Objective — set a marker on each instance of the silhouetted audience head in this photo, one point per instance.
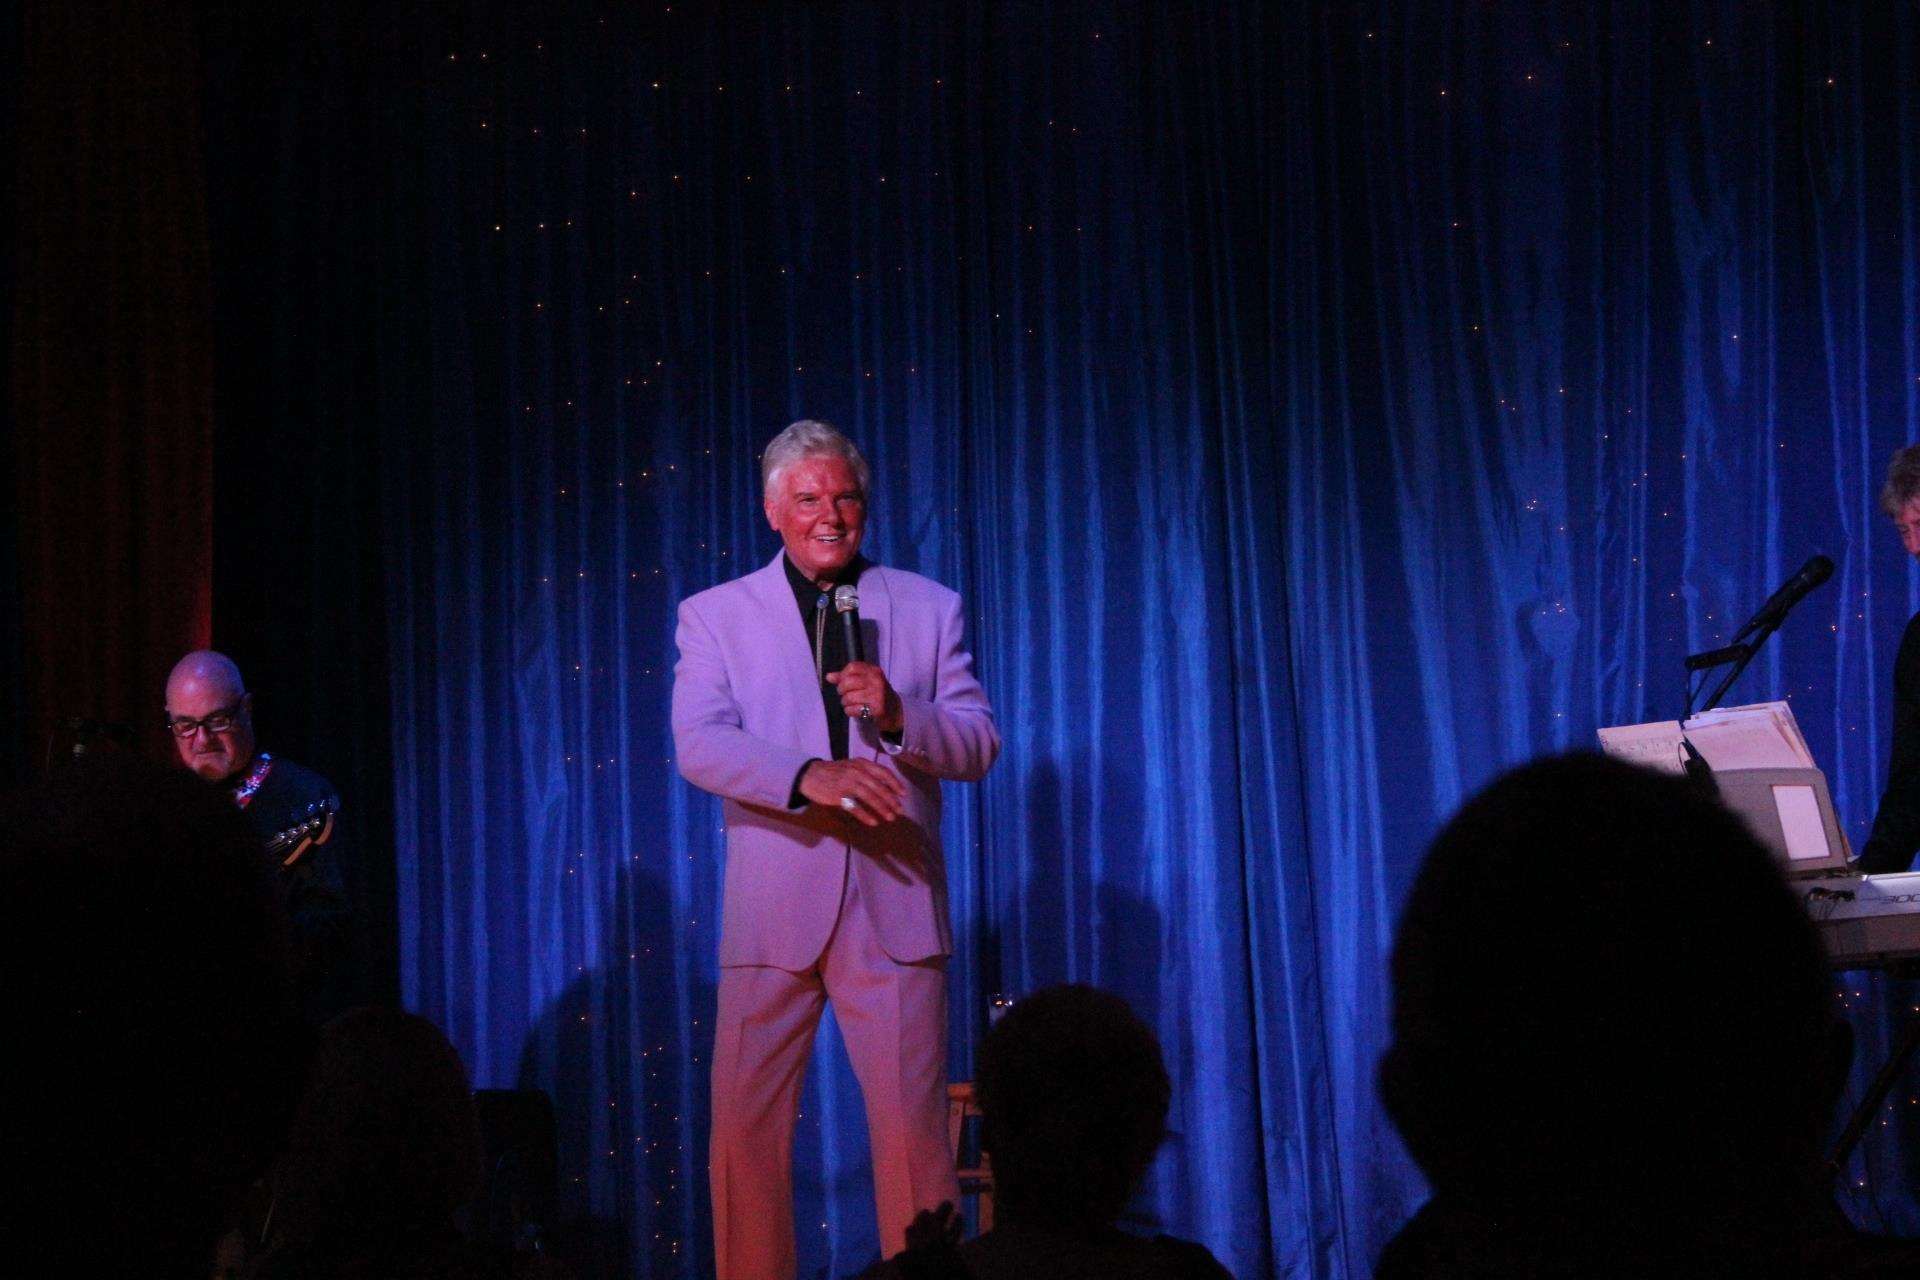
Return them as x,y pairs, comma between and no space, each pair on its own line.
385,1146
150,1053
1073,1097
1609,1006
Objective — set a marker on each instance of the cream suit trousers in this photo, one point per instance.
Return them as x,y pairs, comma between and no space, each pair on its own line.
893,1018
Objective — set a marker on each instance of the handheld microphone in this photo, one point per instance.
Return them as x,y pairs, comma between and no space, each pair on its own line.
846,599
1775,610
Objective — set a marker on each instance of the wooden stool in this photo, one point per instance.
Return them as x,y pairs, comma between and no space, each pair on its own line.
976,1176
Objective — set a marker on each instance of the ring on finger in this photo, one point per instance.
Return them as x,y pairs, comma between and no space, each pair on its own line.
866,712
850,804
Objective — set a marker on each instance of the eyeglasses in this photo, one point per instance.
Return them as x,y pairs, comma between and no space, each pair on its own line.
220,721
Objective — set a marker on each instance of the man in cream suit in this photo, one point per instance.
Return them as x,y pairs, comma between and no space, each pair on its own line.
830,774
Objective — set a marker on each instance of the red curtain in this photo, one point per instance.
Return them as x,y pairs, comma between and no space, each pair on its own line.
111,366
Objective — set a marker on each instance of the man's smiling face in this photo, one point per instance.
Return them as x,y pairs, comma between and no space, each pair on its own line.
819,514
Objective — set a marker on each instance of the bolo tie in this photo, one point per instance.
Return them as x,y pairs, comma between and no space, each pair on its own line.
820,639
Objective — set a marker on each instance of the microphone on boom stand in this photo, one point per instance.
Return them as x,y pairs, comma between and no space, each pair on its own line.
1814,572
1741,650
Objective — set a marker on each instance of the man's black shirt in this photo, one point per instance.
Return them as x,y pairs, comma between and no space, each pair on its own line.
1896,826
329,950
285,799
817,612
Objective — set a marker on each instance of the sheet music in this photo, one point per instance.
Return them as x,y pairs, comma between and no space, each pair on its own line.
1655,745
1761,736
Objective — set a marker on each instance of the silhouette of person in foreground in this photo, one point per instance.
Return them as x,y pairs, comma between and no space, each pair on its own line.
1614,1048
152,1053
385,1146
1073,1097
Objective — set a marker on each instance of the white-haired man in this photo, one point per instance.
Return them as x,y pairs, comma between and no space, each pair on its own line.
835,888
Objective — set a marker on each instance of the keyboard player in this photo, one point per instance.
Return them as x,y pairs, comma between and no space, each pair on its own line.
1896,825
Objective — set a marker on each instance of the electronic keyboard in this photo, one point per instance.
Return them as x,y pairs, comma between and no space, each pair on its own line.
1865,922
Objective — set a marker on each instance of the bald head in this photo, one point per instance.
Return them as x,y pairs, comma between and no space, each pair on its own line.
207,686
203,669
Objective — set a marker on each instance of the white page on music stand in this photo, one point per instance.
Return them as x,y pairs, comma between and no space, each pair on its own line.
1780,713
1655,745
1750,742
1791,727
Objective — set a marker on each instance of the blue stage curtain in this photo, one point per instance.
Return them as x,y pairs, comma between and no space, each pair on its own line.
1320,408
